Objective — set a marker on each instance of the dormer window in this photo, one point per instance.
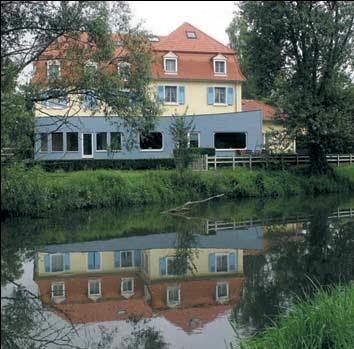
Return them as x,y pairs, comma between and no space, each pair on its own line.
219,65
124,70
170,63
90,67
191,34
53,69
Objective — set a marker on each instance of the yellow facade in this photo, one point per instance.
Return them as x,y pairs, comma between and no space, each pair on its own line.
275,138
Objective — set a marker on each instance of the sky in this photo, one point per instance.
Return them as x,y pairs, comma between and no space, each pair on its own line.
162,17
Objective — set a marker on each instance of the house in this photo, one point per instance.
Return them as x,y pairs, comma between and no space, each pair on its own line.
274,135
191,71
116,279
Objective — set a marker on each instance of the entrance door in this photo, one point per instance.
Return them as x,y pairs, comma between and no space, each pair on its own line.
87,145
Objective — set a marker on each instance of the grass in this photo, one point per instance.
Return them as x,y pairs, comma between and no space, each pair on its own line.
34,191
323,322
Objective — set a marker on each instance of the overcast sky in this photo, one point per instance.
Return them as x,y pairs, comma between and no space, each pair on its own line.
162,17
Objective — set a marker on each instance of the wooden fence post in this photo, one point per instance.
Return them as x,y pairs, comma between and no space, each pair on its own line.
337,160
233,161
215,162
250,161
351,158
206,162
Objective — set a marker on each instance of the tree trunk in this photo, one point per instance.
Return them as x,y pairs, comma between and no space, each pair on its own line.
318,160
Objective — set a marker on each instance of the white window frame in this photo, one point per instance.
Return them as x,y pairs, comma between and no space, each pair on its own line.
191,37
145,262
90,63
53,62
94,296
216,262
62,297
189,135
102,150
230,149
51,263
153,150
120,66
87,262
82,145
170,56
125,251
110,142
220,58
168,258
78,143
127,293
220,104
164,95
173,304
225,298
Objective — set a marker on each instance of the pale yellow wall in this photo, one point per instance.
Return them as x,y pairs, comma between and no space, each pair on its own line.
284,143
195,99
201,260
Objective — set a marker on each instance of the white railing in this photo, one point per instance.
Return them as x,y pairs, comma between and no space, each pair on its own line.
284,159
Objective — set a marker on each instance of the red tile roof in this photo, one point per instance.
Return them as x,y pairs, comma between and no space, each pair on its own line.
269,112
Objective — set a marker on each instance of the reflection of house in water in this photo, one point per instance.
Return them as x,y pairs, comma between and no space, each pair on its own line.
136,276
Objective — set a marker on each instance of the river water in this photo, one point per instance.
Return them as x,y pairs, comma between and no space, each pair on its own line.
143,278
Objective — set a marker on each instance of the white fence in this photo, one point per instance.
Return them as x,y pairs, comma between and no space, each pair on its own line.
281,159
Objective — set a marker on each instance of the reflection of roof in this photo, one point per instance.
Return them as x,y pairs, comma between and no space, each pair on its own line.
248,238
269,112
191,319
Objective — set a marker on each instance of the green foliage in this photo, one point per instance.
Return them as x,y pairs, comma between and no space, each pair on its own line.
33,191
326,321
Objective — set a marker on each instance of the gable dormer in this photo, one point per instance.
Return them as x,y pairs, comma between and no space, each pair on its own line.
170,63
220,65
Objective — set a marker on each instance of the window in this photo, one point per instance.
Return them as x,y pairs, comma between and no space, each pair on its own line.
90,68
116,141
170,94
151,141
220,67
101,141
126,259
194,140
72,141
124,70
191,34
173,296
222,290
127,286
94,260
58,290
57,103
57,263
44,142
230,140
145,263
154,38
171,65
222,263
220,95
57,141
94,288
90,101
53,70
171,268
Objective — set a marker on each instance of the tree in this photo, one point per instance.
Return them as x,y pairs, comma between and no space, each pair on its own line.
75,32
312,80
179,129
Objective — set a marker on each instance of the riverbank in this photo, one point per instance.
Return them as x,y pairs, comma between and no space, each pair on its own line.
326,321
34,192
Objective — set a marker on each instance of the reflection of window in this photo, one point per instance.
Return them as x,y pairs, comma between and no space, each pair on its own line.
57,141
193,140
222,263
58,289
230,140
126,258
222,290
53,69
57,262
101,141
170,94
173,296
171,269
44,142
72,141
116,141
220,95
94,288
127,285
151,141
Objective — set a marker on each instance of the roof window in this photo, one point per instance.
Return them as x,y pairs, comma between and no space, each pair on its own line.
191,34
